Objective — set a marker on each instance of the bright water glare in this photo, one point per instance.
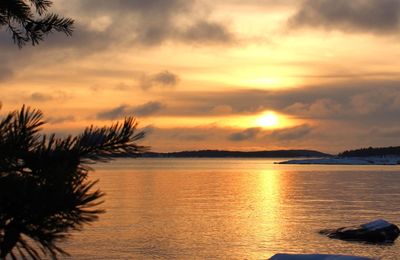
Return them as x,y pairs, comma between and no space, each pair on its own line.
234,209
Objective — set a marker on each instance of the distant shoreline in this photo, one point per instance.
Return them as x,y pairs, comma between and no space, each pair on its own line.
238,154
364,156
373,160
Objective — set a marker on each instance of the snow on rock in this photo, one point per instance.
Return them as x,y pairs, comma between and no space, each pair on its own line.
376,224
388,160
378,231
317,257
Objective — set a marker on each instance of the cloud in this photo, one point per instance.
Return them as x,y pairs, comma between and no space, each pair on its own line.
104,24
376,16
147,109
149,129
59,120
221,110
289,134
357,101
117,25
247,134
100,24
207,32
320,108
163,79
5,73
187,135
199,103
40,97
330,137
45,97
121,86
389,133
364,103
148,23
213,137
121,111
114,113
284,134
268,4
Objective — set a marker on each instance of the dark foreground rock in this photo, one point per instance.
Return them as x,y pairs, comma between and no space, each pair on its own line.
316,257
378,231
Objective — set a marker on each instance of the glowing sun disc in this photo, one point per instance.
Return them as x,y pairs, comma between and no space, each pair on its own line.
269,119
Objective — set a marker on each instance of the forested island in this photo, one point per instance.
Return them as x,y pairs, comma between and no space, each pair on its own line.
368,152
239,154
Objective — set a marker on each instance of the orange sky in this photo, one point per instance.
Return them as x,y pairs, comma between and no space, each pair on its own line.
243,75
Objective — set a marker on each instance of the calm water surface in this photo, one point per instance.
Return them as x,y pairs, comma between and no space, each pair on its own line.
234,209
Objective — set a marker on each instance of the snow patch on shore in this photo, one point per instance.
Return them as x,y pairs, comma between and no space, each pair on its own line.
317,257
384,160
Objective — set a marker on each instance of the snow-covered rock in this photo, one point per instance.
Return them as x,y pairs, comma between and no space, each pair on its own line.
317,257
377,231
376,224
388,160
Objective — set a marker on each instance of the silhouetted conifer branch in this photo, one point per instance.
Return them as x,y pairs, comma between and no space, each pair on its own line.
28,20
44,191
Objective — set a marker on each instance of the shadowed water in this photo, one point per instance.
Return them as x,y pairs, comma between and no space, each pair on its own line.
234,209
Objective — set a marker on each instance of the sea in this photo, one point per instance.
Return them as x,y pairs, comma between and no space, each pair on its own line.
170,208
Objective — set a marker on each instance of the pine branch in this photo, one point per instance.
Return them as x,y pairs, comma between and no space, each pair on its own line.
41,5
32,24
102,144
44,191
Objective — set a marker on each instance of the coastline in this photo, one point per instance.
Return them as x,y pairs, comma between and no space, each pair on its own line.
373,160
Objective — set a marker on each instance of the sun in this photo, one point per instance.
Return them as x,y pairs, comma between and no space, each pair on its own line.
268,119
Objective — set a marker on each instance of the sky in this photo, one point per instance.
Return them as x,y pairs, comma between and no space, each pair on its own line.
218,74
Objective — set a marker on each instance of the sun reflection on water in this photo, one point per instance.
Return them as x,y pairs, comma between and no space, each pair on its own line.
230,208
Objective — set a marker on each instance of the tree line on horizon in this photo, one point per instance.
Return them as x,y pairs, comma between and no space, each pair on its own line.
238,154
371,151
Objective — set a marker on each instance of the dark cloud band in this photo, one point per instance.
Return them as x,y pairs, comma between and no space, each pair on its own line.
376,16
122,111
